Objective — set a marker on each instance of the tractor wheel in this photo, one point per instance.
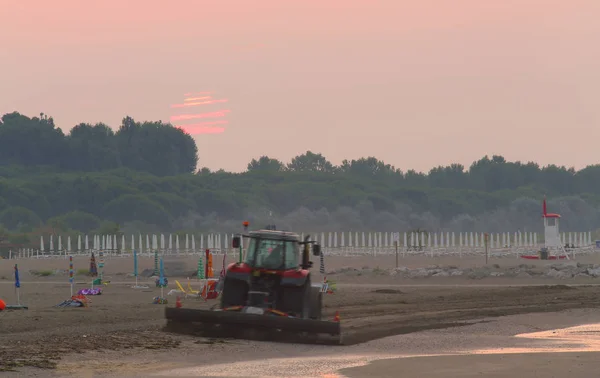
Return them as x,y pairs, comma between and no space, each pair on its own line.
316,302
306,300
296,300
235,293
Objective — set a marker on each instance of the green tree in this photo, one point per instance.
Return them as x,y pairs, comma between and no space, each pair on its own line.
17,218
156,147
95,147
31,141
266,164
310,162
369,167
76,220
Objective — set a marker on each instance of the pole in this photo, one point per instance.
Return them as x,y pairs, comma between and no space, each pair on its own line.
206,264
71,280
486,248
245,224
396,246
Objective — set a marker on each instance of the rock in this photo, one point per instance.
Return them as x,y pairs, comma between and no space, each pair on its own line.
525,266
456,273
419,273
561,274
536,272
594,272
523,274
147,272
496,274
478,274
400,271
566,265
443,273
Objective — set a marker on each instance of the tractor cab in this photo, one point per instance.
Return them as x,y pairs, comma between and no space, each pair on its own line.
277,250
273,250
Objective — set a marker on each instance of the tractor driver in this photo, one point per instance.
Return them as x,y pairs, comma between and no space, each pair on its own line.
275,258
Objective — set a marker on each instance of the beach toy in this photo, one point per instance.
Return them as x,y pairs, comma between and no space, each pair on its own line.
94,291
2,305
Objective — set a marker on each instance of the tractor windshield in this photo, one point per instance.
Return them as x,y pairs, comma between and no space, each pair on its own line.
272,254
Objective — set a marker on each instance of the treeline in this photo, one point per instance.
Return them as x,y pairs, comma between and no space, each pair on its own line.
143,178
152,147
160,149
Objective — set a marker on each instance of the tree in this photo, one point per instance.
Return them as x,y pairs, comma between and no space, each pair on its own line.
157,148
266,164
96,179
31,141
94,146
369,167
76,220
17,218
453,176
310,162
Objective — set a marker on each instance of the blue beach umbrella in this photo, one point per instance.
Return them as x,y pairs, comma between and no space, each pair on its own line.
161,280
17,281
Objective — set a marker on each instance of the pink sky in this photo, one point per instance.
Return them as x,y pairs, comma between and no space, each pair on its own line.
414,83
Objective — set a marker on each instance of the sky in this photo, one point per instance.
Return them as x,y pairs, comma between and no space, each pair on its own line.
416,84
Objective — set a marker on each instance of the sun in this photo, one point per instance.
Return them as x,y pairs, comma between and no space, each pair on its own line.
211,122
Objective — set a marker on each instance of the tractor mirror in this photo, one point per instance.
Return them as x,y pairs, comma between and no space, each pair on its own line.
316,249
235,242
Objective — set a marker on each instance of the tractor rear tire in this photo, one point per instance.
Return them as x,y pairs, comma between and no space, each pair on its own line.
316,303
235,293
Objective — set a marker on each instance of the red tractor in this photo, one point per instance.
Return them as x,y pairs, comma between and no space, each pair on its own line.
270,291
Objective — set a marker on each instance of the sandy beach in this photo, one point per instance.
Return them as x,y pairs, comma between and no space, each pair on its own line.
385,319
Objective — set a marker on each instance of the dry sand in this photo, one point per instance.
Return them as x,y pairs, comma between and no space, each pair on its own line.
120,334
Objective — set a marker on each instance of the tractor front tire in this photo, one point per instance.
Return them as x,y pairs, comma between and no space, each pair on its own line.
316,303
296,300
235,293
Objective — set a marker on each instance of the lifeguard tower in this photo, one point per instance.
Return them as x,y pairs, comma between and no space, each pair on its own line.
552,242
553,248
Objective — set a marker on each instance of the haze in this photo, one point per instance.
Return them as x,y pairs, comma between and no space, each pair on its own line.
414,83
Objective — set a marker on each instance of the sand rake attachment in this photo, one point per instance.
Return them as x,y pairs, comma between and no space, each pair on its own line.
239,323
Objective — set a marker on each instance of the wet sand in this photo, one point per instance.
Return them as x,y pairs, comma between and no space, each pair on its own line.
571,352
483,349
572,365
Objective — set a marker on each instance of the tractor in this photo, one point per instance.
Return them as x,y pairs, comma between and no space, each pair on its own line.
269,293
